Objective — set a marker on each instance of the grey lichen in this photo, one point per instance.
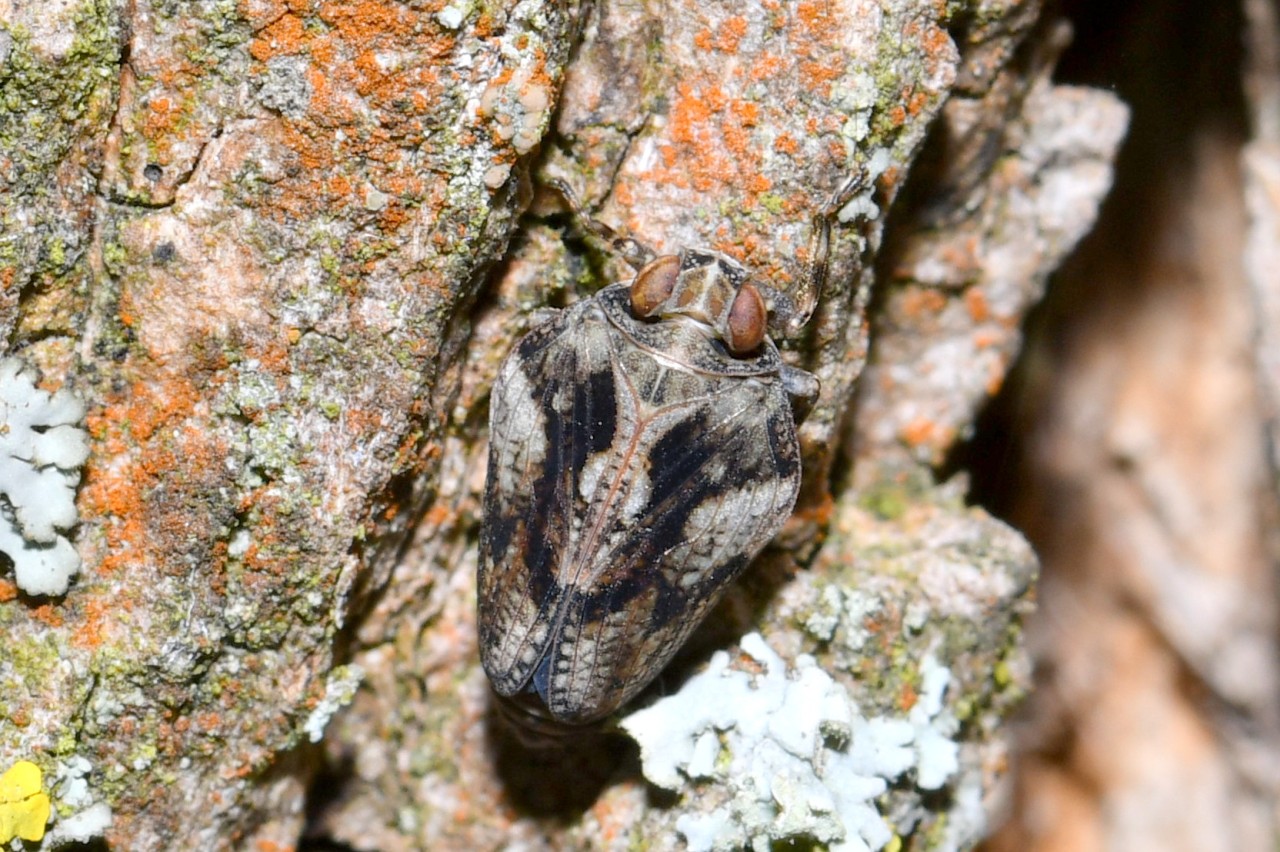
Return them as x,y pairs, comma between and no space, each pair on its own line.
285,88
792,756
81,817
916,615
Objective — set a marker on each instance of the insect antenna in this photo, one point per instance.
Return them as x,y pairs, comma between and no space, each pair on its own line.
635,253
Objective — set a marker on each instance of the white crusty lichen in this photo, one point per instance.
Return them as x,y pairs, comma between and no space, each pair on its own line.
82,818
41,450
339,690
793,755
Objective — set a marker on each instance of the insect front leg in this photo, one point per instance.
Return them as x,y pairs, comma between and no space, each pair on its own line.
635,253
802,389
794,315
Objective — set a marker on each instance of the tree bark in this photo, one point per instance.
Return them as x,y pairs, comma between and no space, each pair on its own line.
280,248
1144,469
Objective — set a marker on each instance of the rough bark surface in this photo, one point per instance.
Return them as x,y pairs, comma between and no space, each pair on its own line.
262,238
1147,484
280,215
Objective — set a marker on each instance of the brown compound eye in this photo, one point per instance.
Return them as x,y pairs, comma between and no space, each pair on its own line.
653,285
748,320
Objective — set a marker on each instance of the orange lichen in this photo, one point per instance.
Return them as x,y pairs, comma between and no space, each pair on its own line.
919,432
731,33
48,615
8,591
383,109
962,256
876,626
612,821
937,43
208,722
93,616
484,25
818,76
759,183
710,141
438,515
815,17
364,21
995,381
889,179
747,112
726,38
265,845
160,121
118,480
908,697
111,490
766,67
978,306
624,195
820,512
917,102
241,771
986,339
285,37
394,216
918,302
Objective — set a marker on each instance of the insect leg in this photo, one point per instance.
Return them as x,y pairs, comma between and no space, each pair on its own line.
820,250
635,253
802,390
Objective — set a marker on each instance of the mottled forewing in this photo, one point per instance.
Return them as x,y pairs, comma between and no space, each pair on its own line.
705,471
547,416
626,489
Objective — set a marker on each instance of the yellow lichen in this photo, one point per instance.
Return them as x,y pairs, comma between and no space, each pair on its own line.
24,806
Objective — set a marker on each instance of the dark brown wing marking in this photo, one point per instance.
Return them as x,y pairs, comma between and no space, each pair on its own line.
547,418
643,610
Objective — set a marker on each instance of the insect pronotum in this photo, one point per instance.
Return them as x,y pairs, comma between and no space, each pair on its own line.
643,450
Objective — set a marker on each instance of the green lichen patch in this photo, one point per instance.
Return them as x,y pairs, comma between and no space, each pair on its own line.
53,97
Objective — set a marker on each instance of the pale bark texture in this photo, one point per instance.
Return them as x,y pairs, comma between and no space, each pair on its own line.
1142,462
280,248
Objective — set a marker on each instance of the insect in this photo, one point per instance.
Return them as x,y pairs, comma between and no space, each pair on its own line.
643,450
